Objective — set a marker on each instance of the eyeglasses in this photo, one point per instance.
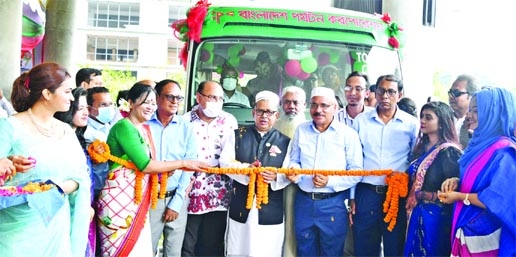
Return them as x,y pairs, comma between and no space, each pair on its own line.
260,112
213,98
456,93
350,88
323,106
390,92
171,98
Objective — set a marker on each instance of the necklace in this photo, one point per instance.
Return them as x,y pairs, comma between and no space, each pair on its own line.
48,132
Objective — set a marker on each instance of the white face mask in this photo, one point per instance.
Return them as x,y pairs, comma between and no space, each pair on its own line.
106,114
229,84
213,109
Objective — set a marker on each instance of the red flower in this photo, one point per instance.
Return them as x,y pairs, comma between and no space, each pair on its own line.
394,42
386,18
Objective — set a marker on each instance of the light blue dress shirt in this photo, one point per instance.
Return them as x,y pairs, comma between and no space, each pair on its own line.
386,146
337,148
174,142
96,130
343,116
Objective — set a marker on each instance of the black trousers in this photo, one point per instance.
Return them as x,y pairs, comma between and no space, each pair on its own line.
205,234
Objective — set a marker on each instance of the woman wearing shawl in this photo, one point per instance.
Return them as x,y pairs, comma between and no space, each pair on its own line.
49,223
124,224
484,218
436,159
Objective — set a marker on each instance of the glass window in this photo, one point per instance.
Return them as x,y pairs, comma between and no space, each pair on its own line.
115,49
113,14
275,64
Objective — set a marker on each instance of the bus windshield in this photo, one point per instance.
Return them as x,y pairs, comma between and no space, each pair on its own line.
250,50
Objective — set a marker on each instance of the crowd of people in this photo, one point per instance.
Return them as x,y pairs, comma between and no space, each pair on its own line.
156,194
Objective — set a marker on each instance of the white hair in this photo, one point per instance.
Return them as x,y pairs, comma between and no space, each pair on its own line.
294,90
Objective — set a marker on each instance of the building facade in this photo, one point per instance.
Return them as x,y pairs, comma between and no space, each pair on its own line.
130,35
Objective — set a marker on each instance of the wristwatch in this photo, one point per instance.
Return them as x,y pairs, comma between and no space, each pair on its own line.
466,201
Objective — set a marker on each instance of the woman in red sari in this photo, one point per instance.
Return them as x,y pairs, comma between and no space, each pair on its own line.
123,223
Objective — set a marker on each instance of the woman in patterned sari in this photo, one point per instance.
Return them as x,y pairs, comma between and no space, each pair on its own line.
124,223
436,159
484,219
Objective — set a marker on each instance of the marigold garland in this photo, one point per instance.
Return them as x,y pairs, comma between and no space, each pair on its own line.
99,153
397,183
163,184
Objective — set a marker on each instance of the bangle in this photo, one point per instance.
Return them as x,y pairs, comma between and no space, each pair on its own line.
466,201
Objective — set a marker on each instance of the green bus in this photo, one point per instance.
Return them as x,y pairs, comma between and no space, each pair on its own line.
271,48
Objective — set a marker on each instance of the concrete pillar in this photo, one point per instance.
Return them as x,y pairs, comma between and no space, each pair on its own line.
59,36
10,43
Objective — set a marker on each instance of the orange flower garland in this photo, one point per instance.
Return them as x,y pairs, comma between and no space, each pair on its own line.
397,183
163,184
99,153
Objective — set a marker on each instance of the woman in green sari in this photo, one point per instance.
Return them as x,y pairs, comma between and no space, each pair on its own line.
123,222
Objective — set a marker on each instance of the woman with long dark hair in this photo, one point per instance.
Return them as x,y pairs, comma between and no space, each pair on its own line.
77,118
54,225
436,157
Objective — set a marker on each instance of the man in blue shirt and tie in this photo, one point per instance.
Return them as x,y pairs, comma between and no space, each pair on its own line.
388,136
320,214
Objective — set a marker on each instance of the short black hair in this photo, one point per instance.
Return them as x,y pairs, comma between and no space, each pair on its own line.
359,74
159,86
95,90
408,105
392,78
84,75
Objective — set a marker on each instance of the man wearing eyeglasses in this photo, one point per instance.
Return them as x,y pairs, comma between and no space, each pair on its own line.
324,143
257,232
356,91
459,97
229,82
388,136
210,195
174,140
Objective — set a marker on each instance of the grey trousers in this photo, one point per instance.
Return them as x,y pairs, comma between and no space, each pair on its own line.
173,232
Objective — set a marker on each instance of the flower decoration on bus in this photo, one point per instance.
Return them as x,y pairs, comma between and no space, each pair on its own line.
191,27
393,31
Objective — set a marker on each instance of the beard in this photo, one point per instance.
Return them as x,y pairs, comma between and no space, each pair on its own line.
288,124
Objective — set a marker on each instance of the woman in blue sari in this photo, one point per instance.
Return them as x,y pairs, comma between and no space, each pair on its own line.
436,159
484,218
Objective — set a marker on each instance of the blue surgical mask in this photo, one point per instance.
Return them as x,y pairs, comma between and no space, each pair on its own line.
106,114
